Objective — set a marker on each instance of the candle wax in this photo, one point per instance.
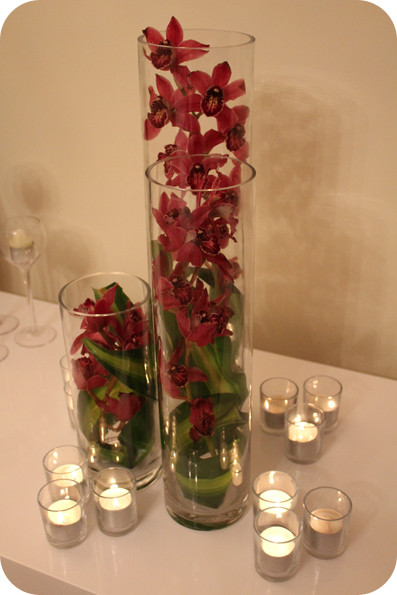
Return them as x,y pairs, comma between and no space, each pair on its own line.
277,541
326,520
68,471
274,496
302,431
20,240
115,499
64,512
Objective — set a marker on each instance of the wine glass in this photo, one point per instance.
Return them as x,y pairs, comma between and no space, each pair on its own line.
22,241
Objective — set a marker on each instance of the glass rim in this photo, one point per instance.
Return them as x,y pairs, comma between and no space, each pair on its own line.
76,313
302,407
126,477
276,511
337,393
339,518
55,482
284,474
281,397
247,39
174,188
74,446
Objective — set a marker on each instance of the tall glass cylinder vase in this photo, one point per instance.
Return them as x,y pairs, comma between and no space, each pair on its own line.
107,327
196,91
200,224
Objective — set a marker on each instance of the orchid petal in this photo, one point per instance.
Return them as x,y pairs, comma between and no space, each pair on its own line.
221,74
234,90
174,32
201,81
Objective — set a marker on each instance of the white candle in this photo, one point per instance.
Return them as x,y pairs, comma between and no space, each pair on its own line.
64,512
20,240
115,499
326,520
116,510
68,471
277,541
269,497
302,431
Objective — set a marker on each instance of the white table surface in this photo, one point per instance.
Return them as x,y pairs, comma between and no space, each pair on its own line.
160,556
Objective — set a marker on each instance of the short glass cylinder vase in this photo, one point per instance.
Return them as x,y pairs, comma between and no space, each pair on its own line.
201,262
107,327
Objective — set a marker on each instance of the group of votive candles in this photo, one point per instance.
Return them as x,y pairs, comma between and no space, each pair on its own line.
303,423
279,532
64,498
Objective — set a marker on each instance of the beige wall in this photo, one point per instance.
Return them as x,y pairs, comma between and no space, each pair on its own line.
324,148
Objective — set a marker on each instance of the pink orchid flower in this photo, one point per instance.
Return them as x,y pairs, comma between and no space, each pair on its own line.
170,105
216,90
202,418
169,52
207,319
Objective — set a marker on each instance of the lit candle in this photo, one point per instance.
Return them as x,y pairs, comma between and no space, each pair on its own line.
116,512
65,521
303,431
331,411
273,412
21,245
303,442
115,499
271,497
276,557
68,471
20,240
325,532
64,512
277,541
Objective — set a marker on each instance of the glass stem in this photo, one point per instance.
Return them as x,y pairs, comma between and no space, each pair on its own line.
29,294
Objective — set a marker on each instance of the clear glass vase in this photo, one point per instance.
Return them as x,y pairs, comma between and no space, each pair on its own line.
196,91
200,226
107,327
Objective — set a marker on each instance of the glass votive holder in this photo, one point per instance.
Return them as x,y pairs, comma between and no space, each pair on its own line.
68,462
326,515
324,392
274,489
65,370
114,490
277,543
276,396
304,429
62,511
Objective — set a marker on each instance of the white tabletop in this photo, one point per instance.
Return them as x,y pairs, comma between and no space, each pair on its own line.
160,556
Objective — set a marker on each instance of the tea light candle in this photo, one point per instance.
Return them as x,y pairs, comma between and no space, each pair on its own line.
303,434
272,497
68,471
325,532
277,550
115,510
326,519
276,396
65,520
273,412
21,248
277,540
20,240
331,411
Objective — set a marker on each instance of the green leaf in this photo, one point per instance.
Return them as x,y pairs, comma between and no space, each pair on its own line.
136,438
217,362
127,366
203,480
